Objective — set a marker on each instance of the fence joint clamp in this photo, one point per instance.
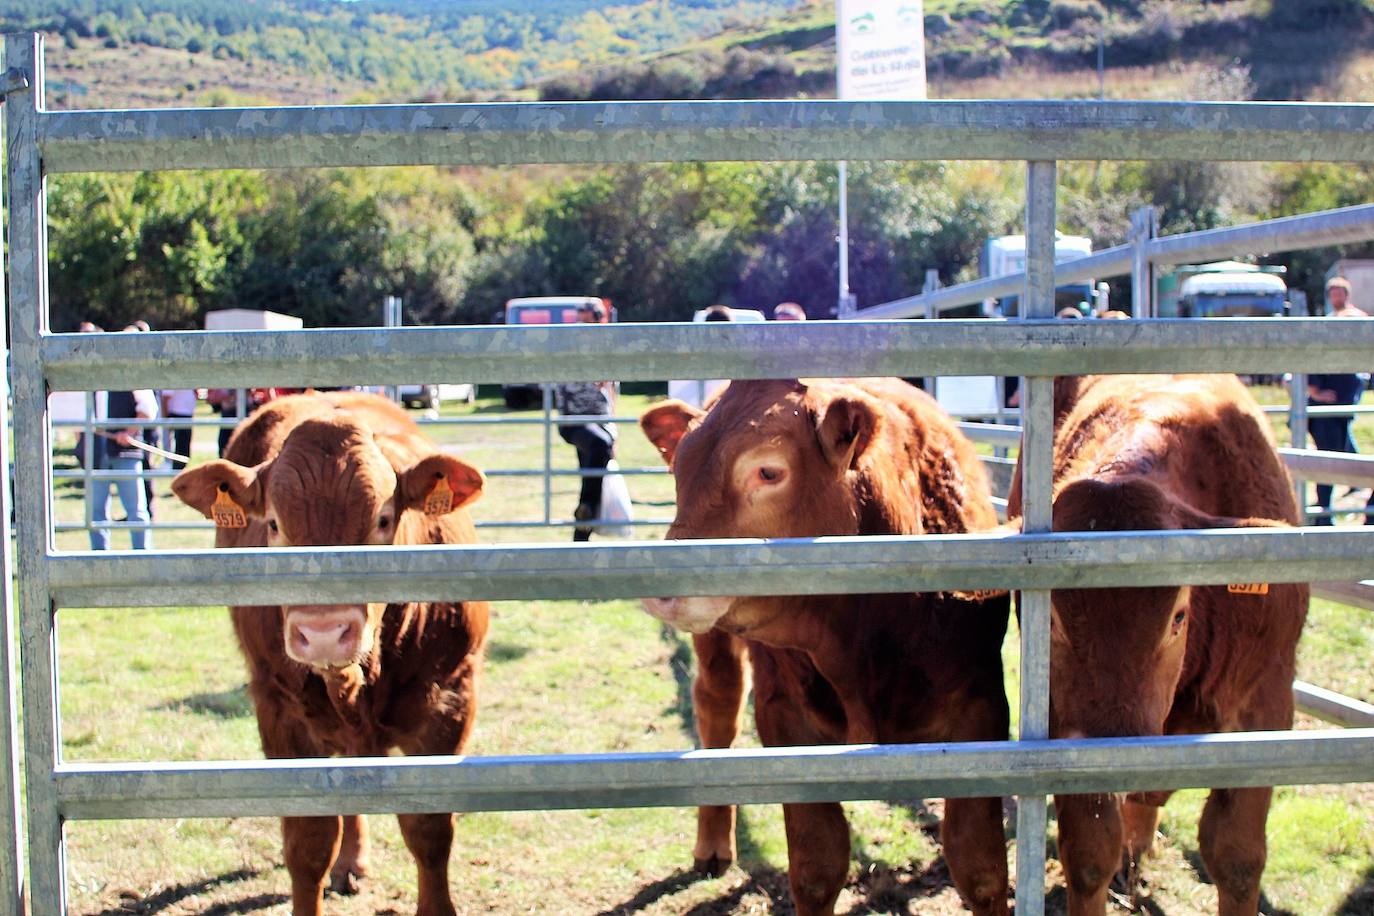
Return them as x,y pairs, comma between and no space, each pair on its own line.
13,80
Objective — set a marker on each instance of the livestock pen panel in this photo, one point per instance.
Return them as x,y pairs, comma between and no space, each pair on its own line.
42,143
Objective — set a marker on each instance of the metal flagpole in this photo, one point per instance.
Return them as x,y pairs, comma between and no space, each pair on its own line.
845,306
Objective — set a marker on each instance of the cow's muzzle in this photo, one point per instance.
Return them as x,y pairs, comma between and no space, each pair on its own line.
327,636
694,615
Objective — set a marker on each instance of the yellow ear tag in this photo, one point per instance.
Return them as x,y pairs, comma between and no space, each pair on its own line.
440,498
1249,588
227,513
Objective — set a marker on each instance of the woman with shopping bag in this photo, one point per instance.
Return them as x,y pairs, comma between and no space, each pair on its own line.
595,442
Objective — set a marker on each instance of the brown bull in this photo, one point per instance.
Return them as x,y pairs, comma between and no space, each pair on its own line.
1167,452
320,470
794,459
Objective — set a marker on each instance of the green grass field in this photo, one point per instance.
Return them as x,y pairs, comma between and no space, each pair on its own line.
168,684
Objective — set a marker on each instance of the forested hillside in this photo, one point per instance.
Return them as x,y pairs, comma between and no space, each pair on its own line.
1293,49
659,241
416,46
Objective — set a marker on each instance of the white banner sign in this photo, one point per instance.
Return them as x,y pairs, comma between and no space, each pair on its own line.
881,49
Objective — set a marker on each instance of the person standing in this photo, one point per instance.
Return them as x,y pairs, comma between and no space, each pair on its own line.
1332,433
152,435
179,404
115,452
595,442
225,402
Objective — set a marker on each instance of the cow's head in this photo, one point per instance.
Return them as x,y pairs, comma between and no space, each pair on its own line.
1116,655
768,460
331,484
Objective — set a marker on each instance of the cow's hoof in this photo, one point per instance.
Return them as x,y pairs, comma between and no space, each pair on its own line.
713,867
1128,887
346,883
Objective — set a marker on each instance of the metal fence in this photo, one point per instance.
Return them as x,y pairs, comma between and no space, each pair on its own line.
42,143
547,421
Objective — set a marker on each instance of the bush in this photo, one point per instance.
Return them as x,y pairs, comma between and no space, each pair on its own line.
1063,14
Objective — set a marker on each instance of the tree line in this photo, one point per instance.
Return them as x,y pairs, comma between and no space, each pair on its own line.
660,241
409,45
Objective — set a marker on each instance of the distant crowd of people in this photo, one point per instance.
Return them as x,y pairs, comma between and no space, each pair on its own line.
143,443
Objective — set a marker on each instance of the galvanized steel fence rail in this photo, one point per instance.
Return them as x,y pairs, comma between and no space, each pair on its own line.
1287,233
42,143
547,420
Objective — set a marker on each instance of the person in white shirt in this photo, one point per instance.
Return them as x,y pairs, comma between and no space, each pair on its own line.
178,404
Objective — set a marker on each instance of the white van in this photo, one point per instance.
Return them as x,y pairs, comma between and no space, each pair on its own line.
697,391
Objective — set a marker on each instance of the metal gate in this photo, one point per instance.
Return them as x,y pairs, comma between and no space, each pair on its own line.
41,143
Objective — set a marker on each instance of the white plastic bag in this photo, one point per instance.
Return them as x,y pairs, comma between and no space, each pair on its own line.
615,504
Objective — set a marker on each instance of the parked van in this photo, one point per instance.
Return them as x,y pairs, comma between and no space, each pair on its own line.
1006,254
697,391
1230,289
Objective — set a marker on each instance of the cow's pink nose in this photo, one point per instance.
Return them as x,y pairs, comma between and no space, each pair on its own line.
324,639
662,608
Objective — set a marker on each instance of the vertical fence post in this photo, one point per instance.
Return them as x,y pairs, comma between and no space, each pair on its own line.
33,476
1144,227
11,816
391,318
1297,427
546,394
88,461
1037,419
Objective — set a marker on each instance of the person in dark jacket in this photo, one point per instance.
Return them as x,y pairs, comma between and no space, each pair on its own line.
1333,433
595,442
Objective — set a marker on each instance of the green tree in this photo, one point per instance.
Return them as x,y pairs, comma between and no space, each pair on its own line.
160,246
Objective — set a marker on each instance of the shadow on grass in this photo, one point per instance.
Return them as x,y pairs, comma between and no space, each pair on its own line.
654,892
224,704
1360,900
506,652
1266,906
680,662
764,881
253,904
174,896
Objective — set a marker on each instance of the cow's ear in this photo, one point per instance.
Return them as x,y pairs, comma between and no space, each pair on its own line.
439,484
845,427
666,424
217,481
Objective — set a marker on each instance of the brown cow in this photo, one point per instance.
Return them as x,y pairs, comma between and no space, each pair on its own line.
1167,452
317,470
794,459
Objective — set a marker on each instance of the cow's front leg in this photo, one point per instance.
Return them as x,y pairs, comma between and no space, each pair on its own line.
976,853
309,845
1090,844
1231,840
718,706
817,856
429,837
817,834
351,866
971,832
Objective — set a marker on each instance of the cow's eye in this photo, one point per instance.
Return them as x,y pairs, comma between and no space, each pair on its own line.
1179,620
272,523
770,475
383,523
